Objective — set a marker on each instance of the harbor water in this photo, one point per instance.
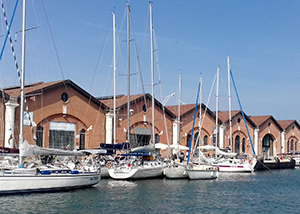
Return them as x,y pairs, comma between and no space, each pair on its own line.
276,191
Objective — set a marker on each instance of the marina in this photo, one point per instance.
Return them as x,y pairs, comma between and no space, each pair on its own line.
258,192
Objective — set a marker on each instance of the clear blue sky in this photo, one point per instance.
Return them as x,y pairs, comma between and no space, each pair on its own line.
192,37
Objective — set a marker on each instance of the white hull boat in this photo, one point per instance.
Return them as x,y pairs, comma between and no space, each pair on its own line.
235,165
175,171
148,169
27,181
202,172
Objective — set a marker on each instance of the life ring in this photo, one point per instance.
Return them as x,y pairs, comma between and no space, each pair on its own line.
109,164
250,161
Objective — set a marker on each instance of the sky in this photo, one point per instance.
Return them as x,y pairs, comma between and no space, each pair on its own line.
73,39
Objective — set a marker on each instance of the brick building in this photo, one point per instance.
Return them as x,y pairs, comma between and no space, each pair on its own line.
63,114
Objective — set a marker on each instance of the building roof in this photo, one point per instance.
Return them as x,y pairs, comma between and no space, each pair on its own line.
186,109
286,123
260,120
121,101
40,87
224,116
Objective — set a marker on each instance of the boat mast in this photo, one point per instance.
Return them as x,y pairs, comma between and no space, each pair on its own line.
152,72
217,108
21,137
178,124
229,99
115,68
201,122
128,72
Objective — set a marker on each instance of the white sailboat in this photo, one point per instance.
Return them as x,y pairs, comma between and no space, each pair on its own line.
176,169
200,170
225,161
134,168
37,177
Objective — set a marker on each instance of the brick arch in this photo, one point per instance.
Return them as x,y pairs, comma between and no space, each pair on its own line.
292,144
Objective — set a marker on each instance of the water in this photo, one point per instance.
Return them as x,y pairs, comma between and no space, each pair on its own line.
276,191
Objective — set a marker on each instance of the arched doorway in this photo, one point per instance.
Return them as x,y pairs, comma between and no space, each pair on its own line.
82,139
267,146
237,145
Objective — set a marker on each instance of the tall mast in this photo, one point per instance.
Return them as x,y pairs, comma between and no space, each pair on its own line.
178,124
128,72
21,138
152,72
200,108
115,68
217,108
229,100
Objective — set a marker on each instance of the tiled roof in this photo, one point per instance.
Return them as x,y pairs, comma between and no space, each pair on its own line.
41,86
224,115
30,88
120,100
286,123
258,120
183,108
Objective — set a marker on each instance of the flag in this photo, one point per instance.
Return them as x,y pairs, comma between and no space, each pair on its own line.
67,147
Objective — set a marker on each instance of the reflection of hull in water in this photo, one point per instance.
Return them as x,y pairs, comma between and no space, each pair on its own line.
202,172
176,171
275,164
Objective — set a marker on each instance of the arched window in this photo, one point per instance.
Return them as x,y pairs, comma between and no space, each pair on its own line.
292,145
188,140
243,145
237,144
288,146
82,139
295,146
205,140
157,138
39,136
196,140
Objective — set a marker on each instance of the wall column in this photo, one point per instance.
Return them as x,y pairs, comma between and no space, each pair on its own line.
222,136
10,112
109,127
283,134
256,131
176,139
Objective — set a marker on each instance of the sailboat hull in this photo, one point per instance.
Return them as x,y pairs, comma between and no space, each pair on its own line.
202,172
27,183
175,172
